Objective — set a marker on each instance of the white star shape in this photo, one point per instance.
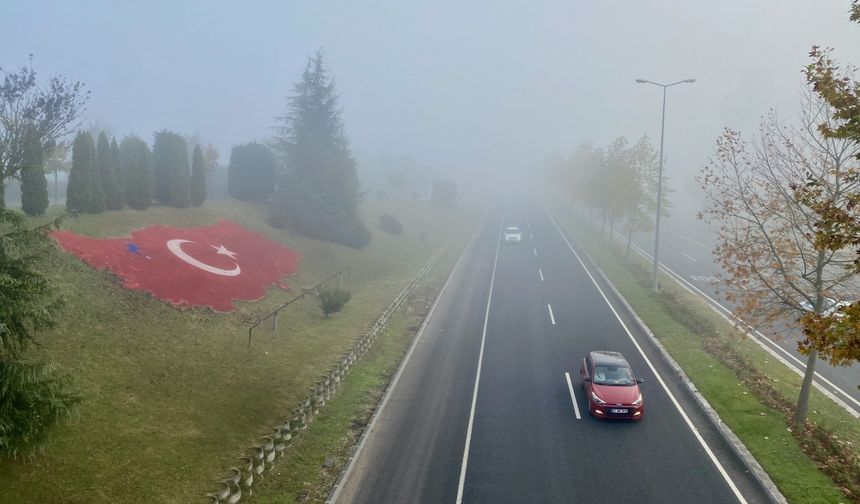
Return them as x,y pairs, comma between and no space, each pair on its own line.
222,250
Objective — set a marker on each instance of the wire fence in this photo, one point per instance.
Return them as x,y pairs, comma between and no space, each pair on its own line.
342,276
264,455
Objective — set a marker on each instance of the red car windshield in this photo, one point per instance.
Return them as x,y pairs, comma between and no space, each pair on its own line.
613,375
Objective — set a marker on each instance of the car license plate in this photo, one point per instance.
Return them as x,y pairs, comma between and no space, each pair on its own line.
618,410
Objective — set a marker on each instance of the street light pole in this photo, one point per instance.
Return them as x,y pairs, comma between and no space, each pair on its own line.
660,177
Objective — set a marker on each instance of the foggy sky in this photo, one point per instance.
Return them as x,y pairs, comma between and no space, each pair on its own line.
459,86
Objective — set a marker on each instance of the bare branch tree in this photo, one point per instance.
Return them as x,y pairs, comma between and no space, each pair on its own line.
28,111
772,267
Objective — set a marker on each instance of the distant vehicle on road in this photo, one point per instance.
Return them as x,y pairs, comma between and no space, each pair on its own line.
610,386
513,235
830,307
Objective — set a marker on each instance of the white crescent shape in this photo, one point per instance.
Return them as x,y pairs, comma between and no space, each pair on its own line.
175,246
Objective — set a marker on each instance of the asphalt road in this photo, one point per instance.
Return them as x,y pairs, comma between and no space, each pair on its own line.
691,259
519,317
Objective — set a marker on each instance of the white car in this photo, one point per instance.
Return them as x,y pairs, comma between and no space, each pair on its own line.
513,235
831,306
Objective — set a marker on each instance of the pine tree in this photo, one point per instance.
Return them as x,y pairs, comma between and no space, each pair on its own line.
198,177
170,169
106,174
118,175
136,165
319,194
33,396
34,184
83,160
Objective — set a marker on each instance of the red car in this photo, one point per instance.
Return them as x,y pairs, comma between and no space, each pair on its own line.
610,386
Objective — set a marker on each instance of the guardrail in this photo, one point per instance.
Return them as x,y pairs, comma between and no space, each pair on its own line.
343,274
262,456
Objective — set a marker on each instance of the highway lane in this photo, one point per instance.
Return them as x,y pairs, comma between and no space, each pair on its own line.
412,452
692,260
526,443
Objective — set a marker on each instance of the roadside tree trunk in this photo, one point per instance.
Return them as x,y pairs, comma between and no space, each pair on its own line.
802,409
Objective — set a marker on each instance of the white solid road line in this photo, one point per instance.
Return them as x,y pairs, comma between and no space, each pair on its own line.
694,242
763,341
689,257
478,375
540,272
551,316
532,237
572,396
675,402
369,428
535,251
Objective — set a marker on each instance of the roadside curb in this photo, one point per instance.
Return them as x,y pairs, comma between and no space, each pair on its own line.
733,441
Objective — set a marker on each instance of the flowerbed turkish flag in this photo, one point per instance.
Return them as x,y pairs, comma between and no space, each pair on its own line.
204,266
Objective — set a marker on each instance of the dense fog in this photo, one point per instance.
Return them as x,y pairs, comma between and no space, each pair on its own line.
469,89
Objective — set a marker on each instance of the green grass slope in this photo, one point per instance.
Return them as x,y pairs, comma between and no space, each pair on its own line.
173,397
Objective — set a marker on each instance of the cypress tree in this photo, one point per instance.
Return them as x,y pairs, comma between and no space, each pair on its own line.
136,165
83,159
106,174
198,177
160,168
94,195
118,175
34,184
251,174
170,169
180,184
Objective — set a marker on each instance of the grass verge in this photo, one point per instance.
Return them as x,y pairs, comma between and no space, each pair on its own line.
738,378
171,397
336,430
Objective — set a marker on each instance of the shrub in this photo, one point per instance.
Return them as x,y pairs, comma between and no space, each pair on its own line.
310,215
390,224
332,300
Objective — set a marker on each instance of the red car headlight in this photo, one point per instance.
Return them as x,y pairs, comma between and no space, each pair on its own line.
597,399
638,401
